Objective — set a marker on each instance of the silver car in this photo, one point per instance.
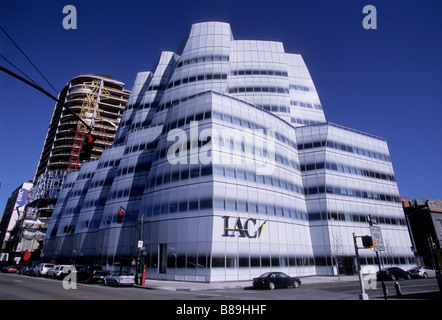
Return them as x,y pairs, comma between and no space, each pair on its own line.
119,278
42,269
422,272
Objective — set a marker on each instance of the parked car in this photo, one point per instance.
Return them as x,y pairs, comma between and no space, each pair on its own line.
30,271
393,273
9,269
90,274
119,278
65,270
422,272
42,269
274,280
22,270
53,271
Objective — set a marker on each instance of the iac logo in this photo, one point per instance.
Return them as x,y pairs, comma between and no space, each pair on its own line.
242,229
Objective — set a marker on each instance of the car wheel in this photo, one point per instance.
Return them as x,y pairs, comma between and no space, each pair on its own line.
393,277
425,275
408,276
295,284
271,286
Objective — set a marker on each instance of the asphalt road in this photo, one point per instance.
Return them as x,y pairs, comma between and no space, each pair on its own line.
20,287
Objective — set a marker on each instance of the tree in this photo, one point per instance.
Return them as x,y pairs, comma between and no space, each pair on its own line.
337,250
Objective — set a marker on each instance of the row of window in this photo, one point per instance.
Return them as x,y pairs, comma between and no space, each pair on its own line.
275,108
344,147
261,261
192,261
141,146
203,59
306,122
298,87
109,163
258,207
175,206
178,260
259,89
260,72
356,217
349,192
246,149
183,173
200,77
367,260
245,123
244,175
306,104
187,119
347,169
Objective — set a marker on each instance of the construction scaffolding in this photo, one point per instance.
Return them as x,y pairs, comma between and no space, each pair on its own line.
89,113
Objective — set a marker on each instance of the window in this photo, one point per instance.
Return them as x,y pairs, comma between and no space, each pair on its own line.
231,204
183,206
218,203
193,205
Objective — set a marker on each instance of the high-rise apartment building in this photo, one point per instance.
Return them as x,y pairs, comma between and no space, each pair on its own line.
100,101
224,158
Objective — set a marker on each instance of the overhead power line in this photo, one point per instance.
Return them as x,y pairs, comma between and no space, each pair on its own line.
16,68
16,45
46,93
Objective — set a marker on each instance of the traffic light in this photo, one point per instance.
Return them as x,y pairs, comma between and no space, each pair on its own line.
367,242
120,216
86,148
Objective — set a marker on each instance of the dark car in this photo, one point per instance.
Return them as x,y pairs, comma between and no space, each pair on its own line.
274,280
92,274
393,273
9,269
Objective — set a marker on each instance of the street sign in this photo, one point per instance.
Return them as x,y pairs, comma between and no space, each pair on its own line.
140,244
378,242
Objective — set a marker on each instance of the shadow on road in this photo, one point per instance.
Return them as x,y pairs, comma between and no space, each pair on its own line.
432,295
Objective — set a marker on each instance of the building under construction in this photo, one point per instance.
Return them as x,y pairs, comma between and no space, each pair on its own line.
99,101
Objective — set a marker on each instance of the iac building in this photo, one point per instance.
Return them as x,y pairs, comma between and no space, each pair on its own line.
225,160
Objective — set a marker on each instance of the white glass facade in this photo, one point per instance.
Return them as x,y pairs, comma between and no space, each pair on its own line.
224,153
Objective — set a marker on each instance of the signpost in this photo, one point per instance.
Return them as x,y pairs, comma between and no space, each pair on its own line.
376,234
378,245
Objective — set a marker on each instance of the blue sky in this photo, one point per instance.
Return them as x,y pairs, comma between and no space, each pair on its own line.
387,82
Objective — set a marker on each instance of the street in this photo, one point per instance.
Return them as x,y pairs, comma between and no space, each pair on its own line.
19,287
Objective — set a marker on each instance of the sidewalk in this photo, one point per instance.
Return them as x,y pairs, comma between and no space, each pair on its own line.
201,286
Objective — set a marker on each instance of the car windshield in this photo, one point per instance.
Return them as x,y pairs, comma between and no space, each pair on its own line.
415,269
265,275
